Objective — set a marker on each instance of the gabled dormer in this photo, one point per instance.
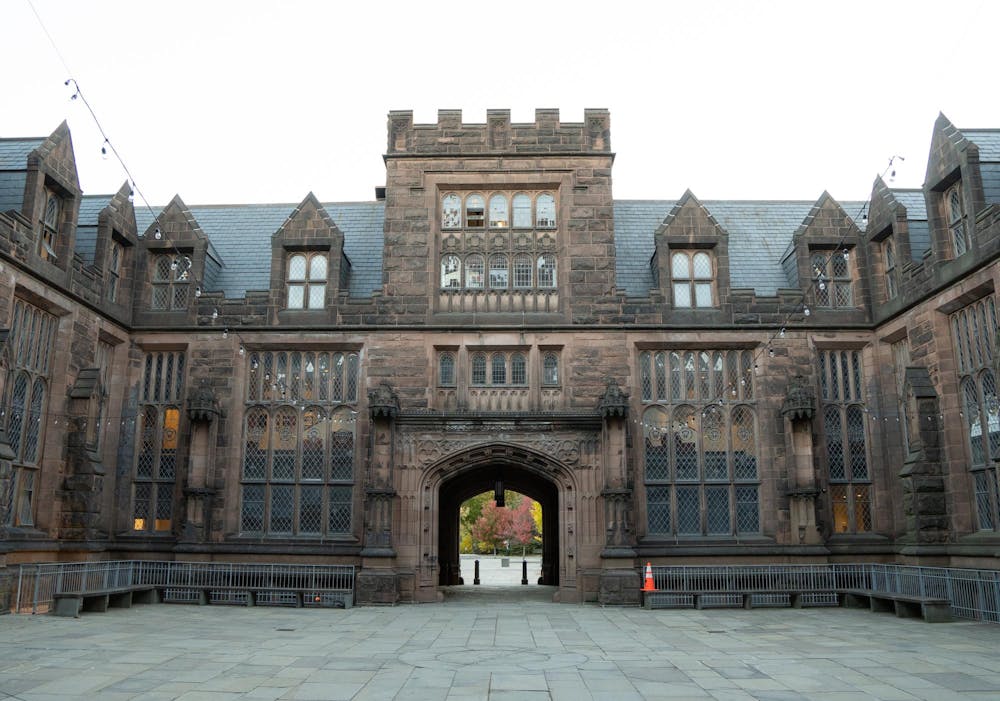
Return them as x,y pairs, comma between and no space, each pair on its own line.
825,260
178,263
114,247
308,265
890,245
953,187
690,262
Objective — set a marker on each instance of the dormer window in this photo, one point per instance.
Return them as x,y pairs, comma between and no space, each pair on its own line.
307,281
889,257
692,278
114,270
956,220
170,282
832,279
50,225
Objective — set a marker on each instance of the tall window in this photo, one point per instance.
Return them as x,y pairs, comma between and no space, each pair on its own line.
32,333
889,257
498,369
51,220
114,271
550,369
844,428
299,444
900,361
446,370
955,211
104,359
973,330
170,281
546,270
692,279
832,279
156,460
451,272
307,281
700,445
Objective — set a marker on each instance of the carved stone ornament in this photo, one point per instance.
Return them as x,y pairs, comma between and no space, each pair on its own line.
202,405
614,401
383,401
800,399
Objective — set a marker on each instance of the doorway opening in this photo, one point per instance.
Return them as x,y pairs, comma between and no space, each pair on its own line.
479,490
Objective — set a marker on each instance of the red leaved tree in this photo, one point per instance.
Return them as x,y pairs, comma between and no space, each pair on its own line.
492,528
522,524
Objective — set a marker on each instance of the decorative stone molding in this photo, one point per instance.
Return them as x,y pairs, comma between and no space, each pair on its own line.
420,451
203,406
800,400
614,401
383,401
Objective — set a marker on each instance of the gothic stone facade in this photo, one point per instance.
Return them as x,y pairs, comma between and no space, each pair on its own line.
677,381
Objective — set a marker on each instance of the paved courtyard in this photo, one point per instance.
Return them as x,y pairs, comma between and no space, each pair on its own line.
493,643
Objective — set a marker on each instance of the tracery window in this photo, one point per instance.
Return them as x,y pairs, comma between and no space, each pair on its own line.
299,444
550,369
307,274
955,211
446,370
32,334
889,257
51,219
832,279
692,279
974,329
700,445
171,280
844,428
158,441
499,369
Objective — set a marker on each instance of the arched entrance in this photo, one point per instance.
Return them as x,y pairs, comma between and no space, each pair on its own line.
485,477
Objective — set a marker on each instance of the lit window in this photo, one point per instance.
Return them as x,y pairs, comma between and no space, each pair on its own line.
832,279
451,212
692,279
474,212
50,225
498,212
451,272
545,212
522,211
307,281
956,220
170,281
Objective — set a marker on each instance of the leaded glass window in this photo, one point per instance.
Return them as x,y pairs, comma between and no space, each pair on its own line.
451,212
547,270
170,281
550,369
475,272
955,211
700,445
479,369
157,459
446,370
692,279
832,279
307,274
498,272
845,434
299,444
51,220
114,271
522,211
889,259
32,333
974,330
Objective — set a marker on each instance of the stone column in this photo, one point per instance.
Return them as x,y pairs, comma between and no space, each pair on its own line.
83,484
620,582
376,583
798,410
924,503
199,491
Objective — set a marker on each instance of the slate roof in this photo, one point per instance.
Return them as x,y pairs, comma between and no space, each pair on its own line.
86,225
241,236
12,189
759,233
988,141
913,200
14,152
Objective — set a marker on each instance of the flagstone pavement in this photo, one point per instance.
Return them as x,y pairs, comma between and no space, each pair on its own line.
506,642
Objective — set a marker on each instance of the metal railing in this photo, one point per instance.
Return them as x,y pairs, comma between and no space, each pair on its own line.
38,583
972,594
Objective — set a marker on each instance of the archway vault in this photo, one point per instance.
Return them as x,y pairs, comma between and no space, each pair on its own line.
464,474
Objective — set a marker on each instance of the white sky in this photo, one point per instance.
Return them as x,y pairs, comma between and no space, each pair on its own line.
228,102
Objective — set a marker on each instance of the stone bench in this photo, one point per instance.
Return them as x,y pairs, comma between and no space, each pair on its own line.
343,597
795,596
931,609
72,603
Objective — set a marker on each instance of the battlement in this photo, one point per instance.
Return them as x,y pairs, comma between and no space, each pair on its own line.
499,135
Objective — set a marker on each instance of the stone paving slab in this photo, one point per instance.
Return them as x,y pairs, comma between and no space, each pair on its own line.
497,644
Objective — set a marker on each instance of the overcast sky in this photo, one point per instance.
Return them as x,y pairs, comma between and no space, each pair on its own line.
228,102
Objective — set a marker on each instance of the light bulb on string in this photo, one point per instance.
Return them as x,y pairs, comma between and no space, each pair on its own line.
805,310
822,285
131,194
215,313
157,235
770,351
197,291
173,264
225,333
104,150
243,351
847,255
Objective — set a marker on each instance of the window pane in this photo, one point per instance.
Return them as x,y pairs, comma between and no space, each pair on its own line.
313,429
340,510
498,212
282,504
547,271
522,270
856,443
714,444
747,510
317,267
645,376
451,272
162,270
252,512
702,266
717,510
862,508
518,372
255,447
834,443
682,294
297,268
451,215
317,296
296,296
658,509
657,446
838,503
310,509
341,451
688,511
475,275
685,444
479,369
141,502
522,211
680,267
498,272
551,371
474,212
545,211
703,294
743,444
498,370
447,375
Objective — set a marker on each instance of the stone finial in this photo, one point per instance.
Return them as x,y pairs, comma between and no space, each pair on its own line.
800,399
383,401
614,401
203,405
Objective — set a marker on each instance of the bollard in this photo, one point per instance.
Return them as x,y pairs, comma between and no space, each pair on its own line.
475,579
524,571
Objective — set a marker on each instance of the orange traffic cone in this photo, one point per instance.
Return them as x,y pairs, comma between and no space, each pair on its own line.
648,584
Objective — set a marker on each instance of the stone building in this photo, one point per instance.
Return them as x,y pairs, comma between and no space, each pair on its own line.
676,381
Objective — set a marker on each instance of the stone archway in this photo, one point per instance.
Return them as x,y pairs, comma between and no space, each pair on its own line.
463,485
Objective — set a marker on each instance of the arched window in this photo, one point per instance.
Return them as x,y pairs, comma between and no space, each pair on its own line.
451,212
451,272
499,218
307,281
832,279
479,369
446,373
522,211
499,272
522,270
475,272
518,370
956,220
169,282
545,212
475,212
646,376
498,369
550,369
546,270
692,279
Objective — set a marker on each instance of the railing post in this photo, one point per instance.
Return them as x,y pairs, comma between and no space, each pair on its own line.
20,575
475,579
34,598
524,572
